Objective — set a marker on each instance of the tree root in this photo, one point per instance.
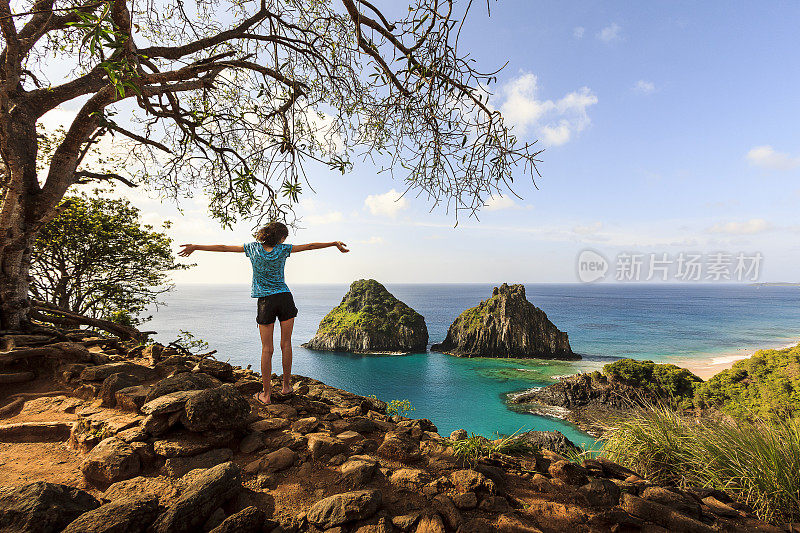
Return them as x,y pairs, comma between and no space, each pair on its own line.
46,312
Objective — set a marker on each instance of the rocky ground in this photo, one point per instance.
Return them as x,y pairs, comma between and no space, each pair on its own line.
98,436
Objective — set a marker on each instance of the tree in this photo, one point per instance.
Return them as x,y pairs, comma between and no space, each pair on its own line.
232,97
97,259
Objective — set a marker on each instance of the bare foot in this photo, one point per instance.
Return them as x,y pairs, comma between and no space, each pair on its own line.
287,390
261,397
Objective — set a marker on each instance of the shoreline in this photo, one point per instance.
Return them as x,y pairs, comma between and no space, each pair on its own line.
711,365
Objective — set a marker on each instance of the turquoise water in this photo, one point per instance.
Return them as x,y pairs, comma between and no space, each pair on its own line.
669,323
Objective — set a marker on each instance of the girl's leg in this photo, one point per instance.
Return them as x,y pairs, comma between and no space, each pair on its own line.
286,351
266,332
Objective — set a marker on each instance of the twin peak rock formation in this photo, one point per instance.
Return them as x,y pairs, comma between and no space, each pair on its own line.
371,320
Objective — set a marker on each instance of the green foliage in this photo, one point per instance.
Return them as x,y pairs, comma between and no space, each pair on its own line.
659,380
369,306
399,407
476,447
122,317
766,385
97,258
756,461
187,341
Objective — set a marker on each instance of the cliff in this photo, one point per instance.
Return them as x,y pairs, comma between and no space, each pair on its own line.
370,320
506,325
101,435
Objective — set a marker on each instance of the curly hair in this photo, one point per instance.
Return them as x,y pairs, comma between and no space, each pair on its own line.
272,234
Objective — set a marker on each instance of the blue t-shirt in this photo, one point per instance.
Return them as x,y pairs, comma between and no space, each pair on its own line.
267,268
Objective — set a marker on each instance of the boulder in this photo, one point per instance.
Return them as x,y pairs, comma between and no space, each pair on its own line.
182,382
471,481
359,470
269,424
132,398
320,444
111,460
159,424
568,472
370,320
600,492
223,407
42,507
409,478
129,515
168,403
465,500
342,508
252,442
506,325
431,524
280,459
176,467
248,520
548,440
200,499
459,434
112,384
101,372
187,443
219,369
305,425
661,514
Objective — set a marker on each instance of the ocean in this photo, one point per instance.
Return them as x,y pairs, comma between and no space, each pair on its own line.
703,326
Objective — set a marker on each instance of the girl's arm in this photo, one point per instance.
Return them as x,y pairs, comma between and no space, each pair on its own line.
189,248
318,245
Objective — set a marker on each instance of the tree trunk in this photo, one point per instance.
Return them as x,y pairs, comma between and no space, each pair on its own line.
15,261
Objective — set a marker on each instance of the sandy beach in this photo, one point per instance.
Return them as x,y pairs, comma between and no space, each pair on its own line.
707,367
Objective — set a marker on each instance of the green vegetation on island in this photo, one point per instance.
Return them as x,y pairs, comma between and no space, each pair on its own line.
658,380
370,319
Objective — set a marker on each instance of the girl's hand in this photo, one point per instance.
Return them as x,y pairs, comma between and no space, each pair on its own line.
342,247
187,250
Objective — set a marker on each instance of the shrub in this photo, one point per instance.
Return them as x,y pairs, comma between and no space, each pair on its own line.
399,407
659,380
757,462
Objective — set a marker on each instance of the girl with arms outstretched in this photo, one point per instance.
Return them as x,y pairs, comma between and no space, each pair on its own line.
268,257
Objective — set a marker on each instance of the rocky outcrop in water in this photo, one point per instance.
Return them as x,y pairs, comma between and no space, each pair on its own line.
370,320
506,325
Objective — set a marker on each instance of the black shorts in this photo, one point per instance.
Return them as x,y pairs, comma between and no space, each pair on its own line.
280,306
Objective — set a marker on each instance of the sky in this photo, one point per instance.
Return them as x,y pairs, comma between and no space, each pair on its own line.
668,128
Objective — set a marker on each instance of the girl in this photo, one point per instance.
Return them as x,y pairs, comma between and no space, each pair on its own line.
267,257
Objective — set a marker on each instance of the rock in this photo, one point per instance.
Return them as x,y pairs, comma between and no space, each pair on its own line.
248,520
320,444
661,515
219,369
448,511
375,525
719,508
101,372
409,478
187,444
215,519
168,403
200,499
175,467
399,447
471,481
112,384
430,524
132,398
269,424
182,382
111,460
568,472
350,437
359,470
281,410
406,521
494,504
465,500
157,425
459,434
305,425
370,320
153,352
136,486
548,440
252,442
221,408
505,325
342,508
600,492
132,515
684,504
280,459
357,423
136,434
42,507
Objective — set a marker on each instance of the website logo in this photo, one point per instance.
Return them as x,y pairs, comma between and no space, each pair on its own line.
591,266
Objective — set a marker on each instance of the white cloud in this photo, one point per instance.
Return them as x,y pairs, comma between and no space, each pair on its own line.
497,203
749,227
555,121
767,157
610,33
388,204
644,87
324,218
588,229
578,32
